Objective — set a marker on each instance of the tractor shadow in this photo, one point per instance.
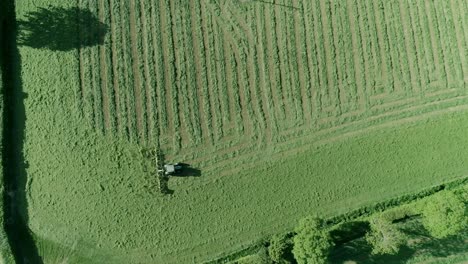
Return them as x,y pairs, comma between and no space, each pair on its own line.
187,171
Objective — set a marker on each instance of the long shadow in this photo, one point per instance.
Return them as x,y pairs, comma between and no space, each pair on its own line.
359,251
349,231
187,171
61,29
14,201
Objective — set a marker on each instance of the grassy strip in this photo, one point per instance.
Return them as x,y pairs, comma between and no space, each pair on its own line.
359,213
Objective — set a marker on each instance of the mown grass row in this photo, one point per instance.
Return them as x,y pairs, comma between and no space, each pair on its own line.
198,75
200,63
211,72
383,42
140,68
148,31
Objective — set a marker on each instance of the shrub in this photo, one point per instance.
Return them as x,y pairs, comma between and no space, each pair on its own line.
445,214
278,248
261,257
384,236
312,242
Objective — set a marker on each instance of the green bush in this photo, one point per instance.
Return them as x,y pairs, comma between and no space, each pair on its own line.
445,214
312,242
384,236
261,257
278,248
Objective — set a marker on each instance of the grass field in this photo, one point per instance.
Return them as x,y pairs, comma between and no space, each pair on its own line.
288,108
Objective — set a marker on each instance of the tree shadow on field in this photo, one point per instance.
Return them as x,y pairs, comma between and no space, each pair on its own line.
61,29
349,231
15,205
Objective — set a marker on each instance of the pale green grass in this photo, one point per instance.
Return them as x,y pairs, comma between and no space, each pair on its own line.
87,191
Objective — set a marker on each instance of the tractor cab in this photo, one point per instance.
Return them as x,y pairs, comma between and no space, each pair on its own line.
170,169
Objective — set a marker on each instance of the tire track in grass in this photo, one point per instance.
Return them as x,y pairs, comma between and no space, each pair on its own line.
402,55
211,74
386,11
410,48
104,73
434,33
200,59
263,75
315,58
358,54
142,61
293,54
284,83
461,33
463,5
185,95
158,89
96,79
245,101
123,75
454,55
382,39
255,89
305,142
137,84
170,73
274,71
301,62
240,52
352,89
348,88
418,45
233,87
86,81
80,93
427,44
441,31
373,64
192,88
81,72
222,85
338,49
115,68
147,64
328,94
464,28
128,78
322,90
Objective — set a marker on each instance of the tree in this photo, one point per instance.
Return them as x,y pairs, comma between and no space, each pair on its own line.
312,242
445,214
384,236
278,248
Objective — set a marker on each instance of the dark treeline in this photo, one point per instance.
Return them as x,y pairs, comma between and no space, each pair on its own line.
14,207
